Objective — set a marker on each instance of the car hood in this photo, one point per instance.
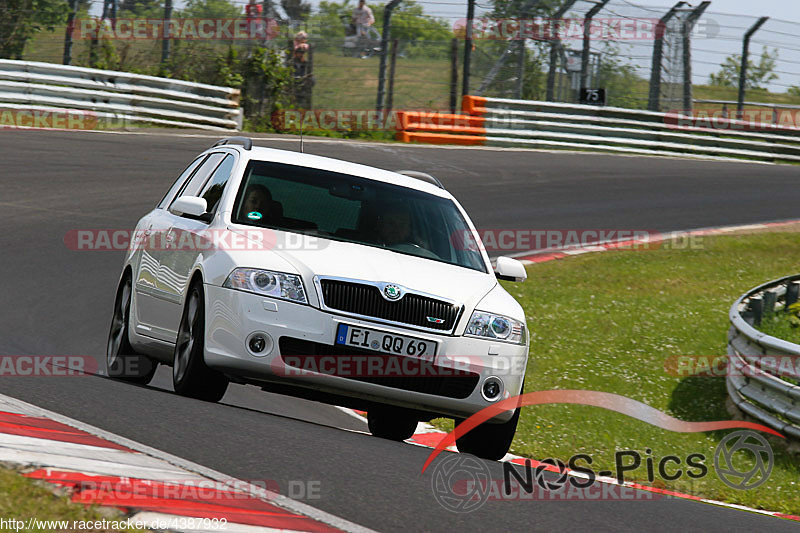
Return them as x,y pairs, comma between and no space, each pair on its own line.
360,262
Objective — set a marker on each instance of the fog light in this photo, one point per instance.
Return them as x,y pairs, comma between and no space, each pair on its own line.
492,388
259,344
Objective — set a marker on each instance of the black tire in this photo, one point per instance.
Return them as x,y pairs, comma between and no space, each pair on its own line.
122,362
392,423
190,375
489,441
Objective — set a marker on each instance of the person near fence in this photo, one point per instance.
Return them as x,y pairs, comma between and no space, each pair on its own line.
255,21
303,78
363,20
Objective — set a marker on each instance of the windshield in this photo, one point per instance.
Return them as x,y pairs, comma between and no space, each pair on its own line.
347,208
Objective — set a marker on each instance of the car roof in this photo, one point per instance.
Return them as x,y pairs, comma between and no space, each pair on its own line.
289,157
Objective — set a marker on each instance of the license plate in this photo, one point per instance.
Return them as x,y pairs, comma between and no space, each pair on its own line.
380,341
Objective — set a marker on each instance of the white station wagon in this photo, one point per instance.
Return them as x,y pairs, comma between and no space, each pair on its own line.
326,280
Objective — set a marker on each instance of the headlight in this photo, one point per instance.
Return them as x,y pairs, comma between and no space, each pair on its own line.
269,283
495,327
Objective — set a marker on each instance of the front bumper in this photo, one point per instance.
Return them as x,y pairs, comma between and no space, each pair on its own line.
292,329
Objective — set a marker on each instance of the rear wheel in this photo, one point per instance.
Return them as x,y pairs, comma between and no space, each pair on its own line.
489,441
122,362
190,375
392,423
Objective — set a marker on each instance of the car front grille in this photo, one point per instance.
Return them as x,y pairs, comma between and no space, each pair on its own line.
366,300
415,376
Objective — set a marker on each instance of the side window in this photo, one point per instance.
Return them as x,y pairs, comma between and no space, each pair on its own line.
212,191
201,175
179,182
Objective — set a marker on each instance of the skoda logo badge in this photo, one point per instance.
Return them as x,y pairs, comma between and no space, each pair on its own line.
392,292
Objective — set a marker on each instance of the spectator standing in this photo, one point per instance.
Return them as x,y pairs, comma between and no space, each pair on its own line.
303,78
363,18
255,21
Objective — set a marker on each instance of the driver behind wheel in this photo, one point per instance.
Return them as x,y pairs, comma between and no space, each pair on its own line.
394,225
395,230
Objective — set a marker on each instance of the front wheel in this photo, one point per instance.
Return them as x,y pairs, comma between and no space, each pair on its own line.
489,441
392,423
122,362
190,375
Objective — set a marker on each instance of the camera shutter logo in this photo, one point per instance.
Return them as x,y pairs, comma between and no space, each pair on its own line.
461,483
551,483
728,470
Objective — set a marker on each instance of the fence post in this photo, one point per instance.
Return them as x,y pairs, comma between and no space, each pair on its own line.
165,43
555,47
392,65
468,47
73,9
755,307
520,70
653,101
792,293
453,75
743,69
688,26
387,25
587,29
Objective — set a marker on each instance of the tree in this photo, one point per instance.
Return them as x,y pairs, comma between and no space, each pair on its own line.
515,8
758,74
21,19
327,22
416,31
141,7
410,23
211,9
296,9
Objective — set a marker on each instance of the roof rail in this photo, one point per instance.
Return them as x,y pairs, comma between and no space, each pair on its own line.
421,176
246,142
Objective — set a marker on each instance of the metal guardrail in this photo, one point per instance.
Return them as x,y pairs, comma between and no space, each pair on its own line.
754,384
505,122
748,104
118,97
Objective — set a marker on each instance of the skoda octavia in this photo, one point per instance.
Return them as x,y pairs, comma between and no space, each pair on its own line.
326,280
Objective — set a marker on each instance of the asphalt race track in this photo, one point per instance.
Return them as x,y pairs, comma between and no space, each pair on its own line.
58,301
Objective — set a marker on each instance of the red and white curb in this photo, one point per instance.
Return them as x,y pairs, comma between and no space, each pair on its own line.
428,436
147,485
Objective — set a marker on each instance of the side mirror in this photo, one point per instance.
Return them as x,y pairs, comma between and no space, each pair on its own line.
509,269
189,205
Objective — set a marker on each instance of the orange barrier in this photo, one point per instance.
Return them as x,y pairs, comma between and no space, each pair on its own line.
441,138
444,128
423,118
474,105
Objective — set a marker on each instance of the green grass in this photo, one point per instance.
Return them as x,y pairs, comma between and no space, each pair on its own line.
607,322
783,326
779,325
352,83
22,498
